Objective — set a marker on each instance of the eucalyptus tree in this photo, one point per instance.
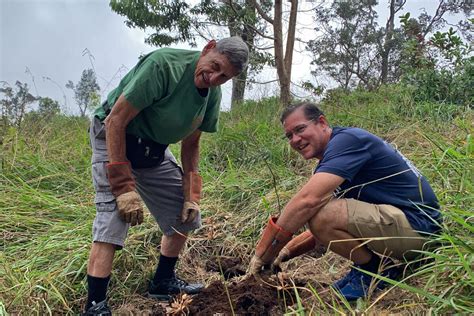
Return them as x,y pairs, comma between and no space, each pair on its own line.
14,103
261,24
354,50
85,90
172,22
351,48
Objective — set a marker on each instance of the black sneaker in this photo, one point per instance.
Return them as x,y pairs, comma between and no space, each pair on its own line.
98,309
164,289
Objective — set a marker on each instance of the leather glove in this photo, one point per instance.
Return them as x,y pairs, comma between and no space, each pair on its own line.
122,185
255,266
192,186
120,178
283,256
273,239
130,208
299,245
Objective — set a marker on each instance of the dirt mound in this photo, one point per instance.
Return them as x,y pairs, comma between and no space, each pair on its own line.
229,266
247,296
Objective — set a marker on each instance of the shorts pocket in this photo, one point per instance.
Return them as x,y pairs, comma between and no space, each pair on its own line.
105,202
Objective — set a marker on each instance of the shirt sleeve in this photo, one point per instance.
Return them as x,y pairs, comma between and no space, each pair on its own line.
211,117
344,156
146,85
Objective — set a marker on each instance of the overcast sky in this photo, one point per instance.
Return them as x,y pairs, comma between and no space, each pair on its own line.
44,43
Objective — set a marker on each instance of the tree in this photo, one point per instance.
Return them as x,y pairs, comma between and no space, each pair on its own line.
48,107
178,21
15,103
283,54
352,49
84,90
174,22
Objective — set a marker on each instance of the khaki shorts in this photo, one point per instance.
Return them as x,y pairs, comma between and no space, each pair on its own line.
160,188
386,227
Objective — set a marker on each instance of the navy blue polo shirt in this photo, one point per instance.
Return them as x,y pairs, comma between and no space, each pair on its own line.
375,172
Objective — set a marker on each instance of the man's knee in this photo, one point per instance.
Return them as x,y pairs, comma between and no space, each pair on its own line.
332,216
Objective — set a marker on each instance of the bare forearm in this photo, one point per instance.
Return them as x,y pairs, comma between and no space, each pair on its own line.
190,153
312,197
298,212
115,126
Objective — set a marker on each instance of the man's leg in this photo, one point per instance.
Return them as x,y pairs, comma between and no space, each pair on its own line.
161,190
330,226
108,230
341,222
171,245
170,248
98,272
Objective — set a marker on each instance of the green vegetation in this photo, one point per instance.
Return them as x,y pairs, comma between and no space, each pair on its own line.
249,171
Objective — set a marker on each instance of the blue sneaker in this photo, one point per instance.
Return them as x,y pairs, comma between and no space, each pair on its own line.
360,283
339,284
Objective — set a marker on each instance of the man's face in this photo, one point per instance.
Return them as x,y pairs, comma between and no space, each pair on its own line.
213,68
308,137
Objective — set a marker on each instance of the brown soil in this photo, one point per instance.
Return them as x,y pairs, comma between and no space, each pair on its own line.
229,266
248,295
230,292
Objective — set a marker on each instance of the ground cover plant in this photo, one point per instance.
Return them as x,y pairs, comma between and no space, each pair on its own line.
249,172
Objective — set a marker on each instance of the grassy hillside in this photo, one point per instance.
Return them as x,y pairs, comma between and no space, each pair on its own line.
249,172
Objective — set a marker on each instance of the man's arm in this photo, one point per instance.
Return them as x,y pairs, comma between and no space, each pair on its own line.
301,208
119,171
190,152
192,181
309,200
115,125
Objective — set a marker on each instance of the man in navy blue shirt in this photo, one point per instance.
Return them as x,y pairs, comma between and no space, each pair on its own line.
365,201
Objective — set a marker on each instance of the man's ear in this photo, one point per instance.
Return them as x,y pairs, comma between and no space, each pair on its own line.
209,46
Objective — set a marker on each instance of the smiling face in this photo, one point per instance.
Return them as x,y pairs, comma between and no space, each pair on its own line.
308,137
212,68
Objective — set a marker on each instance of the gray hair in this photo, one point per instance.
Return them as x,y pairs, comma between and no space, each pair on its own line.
235,49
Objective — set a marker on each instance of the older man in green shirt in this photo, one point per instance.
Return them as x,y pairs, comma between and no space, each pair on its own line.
171,95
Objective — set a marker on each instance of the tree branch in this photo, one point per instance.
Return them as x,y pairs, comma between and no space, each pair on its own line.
262,13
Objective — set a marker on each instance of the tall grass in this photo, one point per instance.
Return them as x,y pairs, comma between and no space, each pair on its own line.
249,171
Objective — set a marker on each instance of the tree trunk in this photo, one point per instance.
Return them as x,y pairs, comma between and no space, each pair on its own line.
247,34
238,88
283,63
388,42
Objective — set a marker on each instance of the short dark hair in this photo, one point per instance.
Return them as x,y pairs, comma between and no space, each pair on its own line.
310,110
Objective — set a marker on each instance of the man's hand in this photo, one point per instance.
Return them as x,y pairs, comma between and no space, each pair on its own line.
283,256
192,186
299,245
273,239
255,266
190,212
130,208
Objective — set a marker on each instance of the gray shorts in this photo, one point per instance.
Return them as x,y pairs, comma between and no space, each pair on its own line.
160,188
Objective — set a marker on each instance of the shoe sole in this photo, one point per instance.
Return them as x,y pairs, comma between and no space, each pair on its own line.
160,297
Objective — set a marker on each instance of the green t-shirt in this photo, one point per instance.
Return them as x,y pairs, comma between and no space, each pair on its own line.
161,86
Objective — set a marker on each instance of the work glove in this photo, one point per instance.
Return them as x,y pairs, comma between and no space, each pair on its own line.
122,186
192,186
256,265
130,208
299,245
273,239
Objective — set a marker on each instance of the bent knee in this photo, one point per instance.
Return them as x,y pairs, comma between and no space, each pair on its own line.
332,216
